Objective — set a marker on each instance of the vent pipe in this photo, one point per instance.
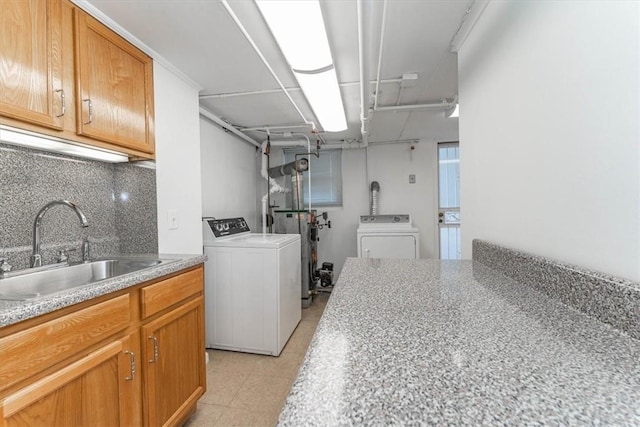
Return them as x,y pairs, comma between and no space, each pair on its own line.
375,189
291,168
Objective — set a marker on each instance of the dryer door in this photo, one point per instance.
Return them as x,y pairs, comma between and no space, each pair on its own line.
388,246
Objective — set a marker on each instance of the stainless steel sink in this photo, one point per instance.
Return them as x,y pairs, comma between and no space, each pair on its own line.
31,285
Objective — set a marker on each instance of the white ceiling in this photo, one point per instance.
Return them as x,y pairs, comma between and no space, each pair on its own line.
200,38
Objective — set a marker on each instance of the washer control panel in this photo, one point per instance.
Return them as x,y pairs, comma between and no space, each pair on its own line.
228,226
386,219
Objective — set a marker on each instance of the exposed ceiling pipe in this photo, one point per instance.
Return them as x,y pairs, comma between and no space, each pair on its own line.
382,30
296,88
217,120
428,106
471,16
255,47
271,127
363,55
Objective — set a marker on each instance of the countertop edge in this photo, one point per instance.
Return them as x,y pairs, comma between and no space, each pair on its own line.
12,312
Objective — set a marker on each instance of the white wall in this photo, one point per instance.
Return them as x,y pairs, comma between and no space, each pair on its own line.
549,137
228,175
177,162
391,166
339,242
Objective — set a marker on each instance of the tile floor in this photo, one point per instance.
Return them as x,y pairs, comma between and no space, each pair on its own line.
248,389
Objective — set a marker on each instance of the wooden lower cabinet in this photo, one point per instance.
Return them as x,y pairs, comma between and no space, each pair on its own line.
175,376
101,389
124,370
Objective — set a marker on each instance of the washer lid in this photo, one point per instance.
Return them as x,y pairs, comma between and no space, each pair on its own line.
258,240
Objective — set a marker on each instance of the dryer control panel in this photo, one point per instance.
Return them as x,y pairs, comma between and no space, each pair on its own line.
386,219
227,227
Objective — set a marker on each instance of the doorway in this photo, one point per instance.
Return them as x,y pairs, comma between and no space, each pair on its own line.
449,200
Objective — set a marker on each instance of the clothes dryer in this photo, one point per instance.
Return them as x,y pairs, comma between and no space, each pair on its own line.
387,236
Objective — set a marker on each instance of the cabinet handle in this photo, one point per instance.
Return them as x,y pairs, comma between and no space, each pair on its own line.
156,353
63,106
132,358
366,251
90,104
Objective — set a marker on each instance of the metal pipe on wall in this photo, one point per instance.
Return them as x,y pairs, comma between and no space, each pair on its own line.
272,185
217,120
363,55
382,31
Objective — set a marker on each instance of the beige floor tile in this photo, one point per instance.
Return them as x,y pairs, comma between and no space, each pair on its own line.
248,389
247,418
222,386
233,361
206,415
262,393
300,339
215,354
284,366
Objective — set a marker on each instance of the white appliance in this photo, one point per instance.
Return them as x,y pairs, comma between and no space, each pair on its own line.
387,236
252,287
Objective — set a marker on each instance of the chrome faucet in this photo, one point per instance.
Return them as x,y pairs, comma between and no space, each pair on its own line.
36,259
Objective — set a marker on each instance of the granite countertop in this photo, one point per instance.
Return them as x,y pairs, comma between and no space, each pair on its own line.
415,342
17,311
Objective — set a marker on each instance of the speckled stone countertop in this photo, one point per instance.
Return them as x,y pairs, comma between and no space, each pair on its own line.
17,311
428,342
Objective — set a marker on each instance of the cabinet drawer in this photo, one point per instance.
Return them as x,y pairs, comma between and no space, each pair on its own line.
161,295
28,352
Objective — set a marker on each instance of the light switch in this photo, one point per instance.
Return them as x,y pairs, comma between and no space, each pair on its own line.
412,179
172,219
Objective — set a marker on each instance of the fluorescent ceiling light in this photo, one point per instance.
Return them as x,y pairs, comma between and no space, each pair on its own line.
324,90
452,112
299,30
23,138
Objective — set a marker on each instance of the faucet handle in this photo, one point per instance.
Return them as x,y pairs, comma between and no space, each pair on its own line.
86,257
63,256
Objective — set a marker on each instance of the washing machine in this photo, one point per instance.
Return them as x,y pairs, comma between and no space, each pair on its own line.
388,236
252,287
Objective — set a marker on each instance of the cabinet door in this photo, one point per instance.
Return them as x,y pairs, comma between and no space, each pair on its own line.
114,87
173,346
30,62
101,389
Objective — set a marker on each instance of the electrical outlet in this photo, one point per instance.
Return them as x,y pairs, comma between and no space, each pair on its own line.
172,219
412,179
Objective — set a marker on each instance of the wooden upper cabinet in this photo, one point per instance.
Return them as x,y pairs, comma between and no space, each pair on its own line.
30,62
114,87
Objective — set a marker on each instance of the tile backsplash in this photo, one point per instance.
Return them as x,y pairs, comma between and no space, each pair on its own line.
119,201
